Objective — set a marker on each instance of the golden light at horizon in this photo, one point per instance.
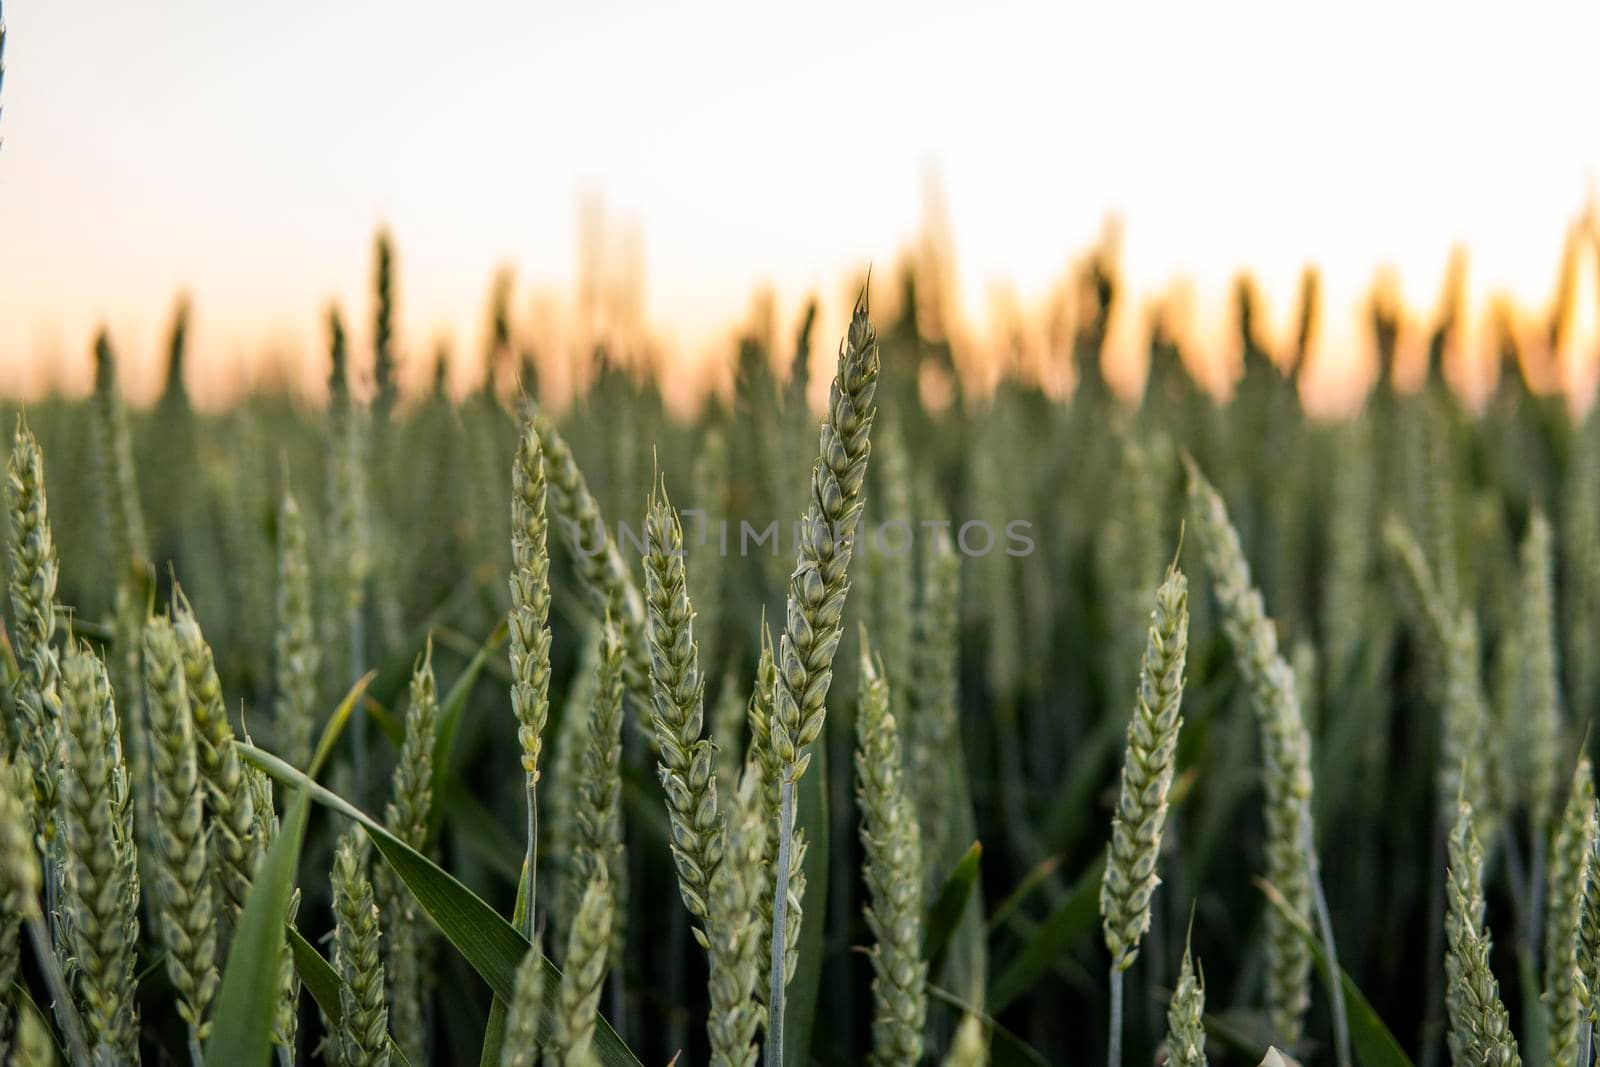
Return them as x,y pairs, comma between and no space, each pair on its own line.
247,157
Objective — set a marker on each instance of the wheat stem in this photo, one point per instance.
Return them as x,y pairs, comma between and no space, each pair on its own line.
815,615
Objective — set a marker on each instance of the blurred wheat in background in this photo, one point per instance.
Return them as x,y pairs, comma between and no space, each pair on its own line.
1102,690
1344,729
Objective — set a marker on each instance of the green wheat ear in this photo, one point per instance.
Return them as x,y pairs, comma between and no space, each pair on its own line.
234,837
1564,996
814,621
1186,1030
297,652
607,584
20,882
583,974
521,1048
184,894
1480,1026
100,891
891,844
1286,750
598,815
34,573
363,1030
529,623
1147,768
687,765
406,816
1540,724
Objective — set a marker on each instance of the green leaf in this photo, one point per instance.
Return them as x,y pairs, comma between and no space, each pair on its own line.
1072,918
336,724
247,1004
1069,812
491,945
948,905
1005,1046
388,724
1243,1034
1023,890
494,1033
1374,1045
455,701
324,984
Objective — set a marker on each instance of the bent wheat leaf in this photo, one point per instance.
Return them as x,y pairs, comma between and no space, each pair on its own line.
485,940
1073,918
945,912
450,709
1007,1047
494,1032
1374,1045
247,1001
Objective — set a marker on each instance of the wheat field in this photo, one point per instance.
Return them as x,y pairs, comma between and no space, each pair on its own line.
1018,728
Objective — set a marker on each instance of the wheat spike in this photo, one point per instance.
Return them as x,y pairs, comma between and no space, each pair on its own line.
1141,814
892,850
363,1031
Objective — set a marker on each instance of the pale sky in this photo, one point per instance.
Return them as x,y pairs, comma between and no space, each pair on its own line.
246,153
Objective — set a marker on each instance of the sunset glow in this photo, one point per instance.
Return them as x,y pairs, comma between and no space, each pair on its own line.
246,155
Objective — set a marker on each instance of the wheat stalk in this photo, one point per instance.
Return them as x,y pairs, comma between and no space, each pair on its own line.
529,622
601,572
183,897
738,891
1347,607
1564,995
99,903
34,572
129,550
348,540
521,1047
1480,1026
406,816
583,974
688,773
572,745
362,1036
764,773
935,681
891,844
892,563
297,653
384,364
1589,930
815,616
1539,734
20,883
687,763
231,824
706,577
727,729
599,813
1186,1030
1286,751
1130,875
